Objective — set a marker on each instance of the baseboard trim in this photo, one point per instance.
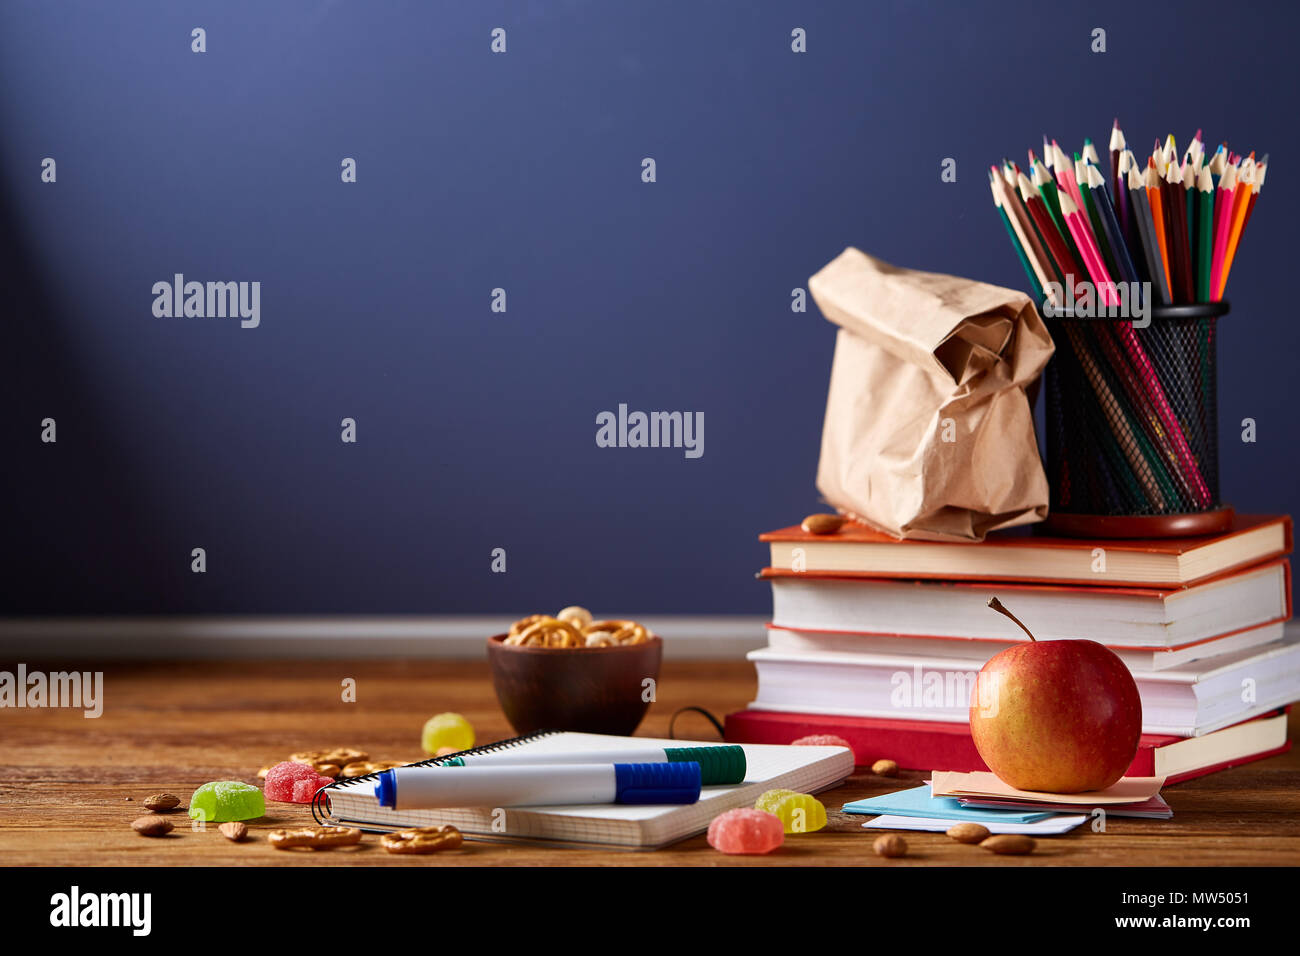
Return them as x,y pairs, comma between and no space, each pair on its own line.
357,638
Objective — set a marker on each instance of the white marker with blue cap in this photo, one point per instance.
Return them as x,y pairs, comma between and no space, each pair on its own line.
427,788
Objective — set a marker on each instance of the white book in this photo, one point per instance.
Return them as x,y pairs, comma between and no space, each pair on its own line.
769,767
1116,617
1183,702
977,652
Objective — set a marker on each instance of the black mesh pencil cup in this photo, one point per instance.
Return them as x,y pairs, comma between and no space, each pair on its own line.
1132,425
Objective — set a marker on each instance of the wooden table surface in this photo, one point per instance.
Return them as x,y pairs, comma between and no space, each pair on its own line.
70,786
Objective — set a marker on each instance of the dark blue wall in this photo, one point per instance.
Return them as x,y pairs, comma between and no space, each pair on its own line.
477,429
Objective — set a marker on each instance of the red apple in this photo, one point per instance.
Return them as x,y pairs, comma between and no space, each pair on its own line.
1056,716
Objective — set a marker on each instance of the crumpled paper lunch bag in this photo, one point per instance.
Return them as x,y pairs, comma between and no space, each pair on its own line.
929,431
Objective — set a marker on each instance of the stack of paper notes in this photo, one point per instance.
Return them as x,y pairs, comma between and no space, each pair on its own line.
980,797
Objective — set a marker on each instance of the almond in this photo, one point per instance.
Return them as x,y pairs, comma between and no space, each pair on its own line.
162,802
152,826
968,832
891,845
234,830
885,768
822,524
1009,843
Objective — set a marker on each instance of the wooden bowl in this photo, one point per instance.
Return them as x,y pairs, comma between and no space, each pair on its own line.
597,690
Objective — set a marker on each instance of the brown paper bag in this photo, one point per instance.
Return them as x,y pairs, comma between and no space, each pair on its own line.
929,431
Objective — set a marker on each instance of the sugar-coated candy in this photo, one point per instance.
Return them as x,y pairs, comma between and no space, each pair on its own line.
822,740
291,782
446,730
224,800
746,831
798,812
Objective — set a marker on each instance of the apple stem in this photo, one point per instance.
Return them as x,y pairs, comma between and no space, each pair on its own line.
997,606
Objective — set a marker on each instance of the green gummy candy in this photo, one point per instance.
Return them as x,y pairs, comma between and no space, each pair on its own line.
225,800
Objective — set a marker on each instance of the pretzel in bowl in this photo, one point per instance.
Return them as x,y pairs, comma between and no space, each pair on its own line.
422,840
314,838
573,627
622,632
547,632
524,623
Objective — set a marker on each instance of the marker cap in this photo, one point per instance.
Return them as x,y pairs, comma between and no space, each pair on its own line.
718,765
657,782
386,789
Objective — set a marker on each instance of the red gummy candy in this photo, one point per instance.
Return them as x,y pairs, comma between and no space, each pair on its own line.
822,740
293,783
746,831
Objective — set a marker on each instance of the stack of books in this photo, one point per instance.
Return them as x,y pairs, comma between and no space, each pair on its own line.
878,641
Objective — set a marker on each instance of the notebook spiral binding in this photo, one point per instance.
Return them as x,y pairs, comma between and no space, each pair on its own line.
320,801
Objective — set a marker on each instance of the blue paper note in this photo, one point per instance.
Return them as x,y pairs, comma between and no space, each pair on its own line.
919,803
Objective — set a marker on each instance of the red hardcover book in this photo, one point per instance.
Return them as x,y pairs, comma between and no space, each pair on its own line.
932,745
859,551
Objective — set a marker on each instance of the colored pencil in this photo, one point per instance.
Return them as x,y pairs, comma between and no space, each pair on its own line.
1260,170
1029,271
1063,169
1078,226
1188,176
1046,187
1121,194
1081,168
1218,162
1132,236
1222,226
1241,205
1035,249
1150,248
1179,244
1153,187
1204,233
1065,261
1124,265
1032,269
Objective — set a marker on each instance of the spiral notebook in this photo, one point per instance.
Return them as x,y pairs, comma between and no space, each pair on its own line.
805,769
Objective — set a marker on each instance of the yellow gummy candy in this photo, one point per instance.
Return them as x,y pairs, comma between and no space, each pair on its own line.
768,802
446,730
800,813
